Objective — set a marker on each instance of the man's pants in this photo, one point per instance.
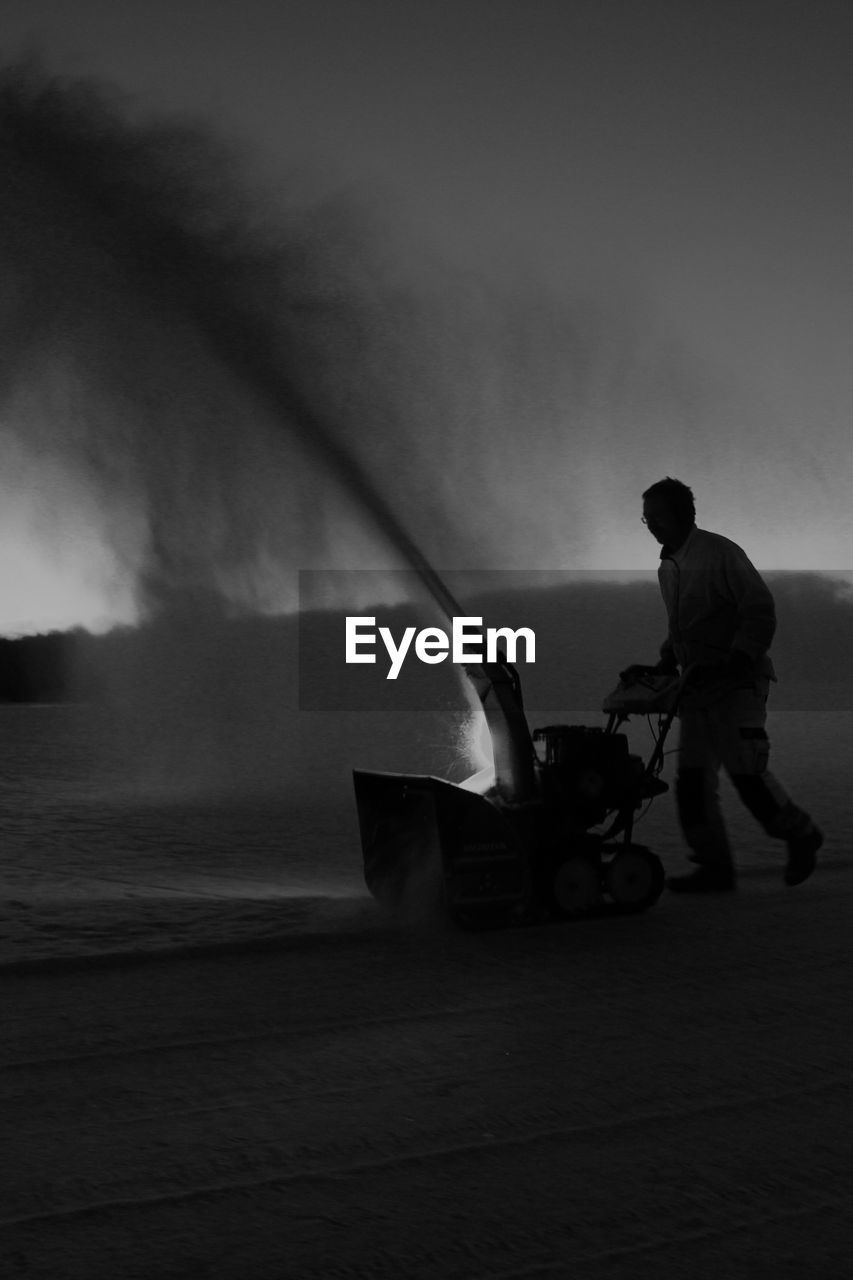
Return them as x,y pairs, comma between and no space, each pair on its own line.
730,734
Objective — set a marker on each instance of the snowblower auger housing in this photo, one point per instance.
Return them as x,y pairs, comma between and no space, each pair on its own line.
524,850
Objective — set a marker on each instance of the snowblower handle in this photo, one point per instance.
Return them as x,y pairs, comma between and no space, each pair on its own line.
645,690
637,670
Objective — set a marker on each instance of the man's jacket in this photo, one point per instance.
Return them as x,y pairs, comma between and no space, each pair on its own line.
716,602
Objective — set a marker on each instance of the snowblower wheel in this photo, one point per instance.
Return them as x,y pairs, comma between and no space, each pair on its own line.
576,888
634,878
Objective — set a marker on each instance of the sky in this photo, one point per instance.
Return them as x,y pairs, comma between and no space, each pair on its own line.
668,183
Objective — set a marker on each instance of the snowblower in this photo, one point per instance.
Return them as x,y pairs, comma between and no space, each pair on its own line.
527,848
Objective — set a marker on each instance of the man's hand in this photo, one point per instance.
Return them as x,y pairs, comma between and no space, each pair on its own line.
639,671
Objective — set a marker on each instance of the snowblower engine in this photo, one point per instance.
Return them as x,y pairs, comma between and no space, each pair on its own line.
587,771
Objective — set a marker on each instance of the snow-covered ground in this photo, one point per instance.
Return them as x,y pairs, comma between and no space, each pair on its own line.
220,1059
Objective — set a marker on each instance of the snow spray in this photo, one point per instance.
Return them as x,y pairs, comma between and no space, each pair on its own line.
168,379
167,328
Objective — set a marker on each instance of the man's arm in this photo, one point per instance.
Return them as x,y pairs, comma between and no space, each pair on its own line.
756,611
668,663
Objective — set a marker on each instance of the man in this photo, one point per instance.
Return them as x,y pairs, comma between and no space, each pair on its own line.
721,622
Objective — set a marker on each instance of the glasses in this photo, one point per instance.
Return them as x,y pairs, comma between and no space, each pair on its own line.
643,520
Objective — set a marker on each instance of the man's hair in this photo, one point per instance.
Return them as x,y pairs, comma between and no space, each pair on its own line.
677,496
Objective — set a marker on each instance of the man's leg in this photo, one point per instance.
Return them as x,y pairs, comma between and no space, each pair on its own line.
745,750
698,803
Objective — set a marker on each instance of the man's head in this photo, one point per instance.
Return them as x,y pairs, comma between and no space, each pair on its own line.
669,512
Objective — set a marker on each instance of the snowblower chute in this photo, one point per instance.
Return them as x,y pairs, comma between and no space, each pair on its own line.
525,849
